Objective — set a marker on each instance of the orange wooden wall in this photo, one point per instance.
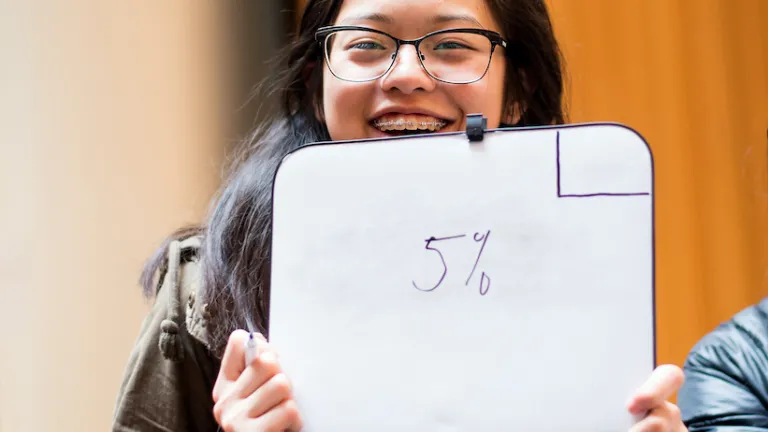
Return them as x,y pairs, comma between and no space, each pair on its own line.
692,77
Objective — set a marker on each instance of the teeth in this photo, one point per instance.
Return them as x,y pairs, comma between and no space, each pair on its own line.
409,124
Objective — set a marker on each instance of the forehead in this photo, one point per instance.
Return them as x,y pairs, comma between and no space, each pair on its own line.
407,18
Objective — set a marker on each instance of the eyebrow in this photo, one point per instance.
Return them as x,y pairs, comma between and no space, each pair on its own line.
441,19
377,17
386,19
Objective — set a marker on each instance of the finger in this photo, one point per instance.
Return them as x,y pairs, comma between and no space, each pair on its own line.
230,405
261,346
284,417
263,368
662,384
276,390
664,418
232,363
264,346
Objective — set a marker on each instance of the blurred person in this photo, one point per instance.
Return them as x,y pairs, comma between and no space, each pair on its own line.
346,76
726,373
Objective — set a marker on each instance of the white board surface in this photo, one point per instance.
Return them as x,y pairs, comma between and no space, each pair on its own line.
433,284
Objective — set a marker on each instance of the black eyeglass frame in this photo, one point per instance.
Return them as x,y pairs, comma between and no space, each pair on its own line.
321,36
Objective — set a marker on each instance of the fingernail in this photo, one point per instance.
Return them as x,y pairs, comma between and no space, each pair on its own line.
268,357
632,406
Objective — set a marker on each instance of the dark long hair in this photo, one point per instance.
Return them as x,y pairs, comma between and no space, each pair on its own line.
235,254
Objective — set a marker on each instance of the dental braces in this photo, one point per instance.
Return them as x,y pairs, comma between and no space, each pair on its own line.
398,123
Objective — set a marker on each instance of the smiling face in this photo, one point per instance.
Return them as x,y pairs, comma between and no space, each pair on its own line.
406,96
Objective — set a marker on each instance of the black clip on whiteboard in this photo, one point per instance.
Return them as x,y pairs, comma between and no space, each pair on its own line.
476,125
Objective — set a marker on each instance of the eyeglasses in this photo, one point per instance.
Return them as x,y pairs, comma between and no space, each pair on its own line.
454,56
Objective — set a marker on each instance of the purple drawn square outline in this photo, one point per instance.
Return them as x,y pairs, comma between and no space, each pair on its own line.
589,195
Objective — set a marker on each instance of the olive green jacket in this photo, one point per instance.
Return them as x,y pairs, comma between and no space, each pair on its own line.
169,378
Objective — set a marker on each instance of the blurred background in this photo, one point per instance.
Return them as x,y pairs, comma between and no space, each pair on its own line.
117,119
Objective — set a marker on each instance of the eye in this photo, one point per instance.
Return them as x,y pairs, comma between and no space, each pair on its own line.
451,45
366,46
456,42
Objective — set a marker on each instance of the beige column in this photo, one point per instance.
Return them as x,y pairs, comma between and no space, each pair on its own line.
111,132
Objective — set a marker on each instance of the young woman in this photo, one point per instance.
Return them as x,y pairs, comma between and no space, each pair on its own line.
358,69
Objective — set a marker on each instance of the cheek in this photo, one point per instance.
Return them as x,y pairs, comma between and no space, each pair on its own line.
344,108
485,96
494,97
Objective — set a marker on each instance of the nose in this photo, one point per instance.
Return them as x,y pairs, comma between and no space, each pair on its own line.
407,74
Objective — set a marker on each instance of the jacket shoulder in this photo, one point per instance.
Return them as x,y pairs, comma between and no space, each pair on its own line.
169,376
725,378
746,332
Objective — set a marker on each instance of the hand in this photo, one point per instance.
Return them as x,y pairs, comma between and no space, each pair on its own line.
651,399
254,397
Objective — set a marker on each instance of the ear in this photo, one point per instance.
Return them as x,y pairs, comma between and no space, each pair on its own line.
513,114
306,73
319,115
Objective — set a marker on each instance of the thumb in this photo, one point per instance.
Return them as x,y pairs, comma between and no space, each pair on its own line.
660,386
232,363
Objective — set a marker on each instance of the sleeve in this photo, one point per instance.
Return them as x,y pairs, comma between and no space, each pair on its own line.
725,379
160,394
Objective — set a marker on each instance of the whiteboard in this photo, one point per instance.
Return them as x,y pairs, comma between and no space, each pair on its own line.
430,283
